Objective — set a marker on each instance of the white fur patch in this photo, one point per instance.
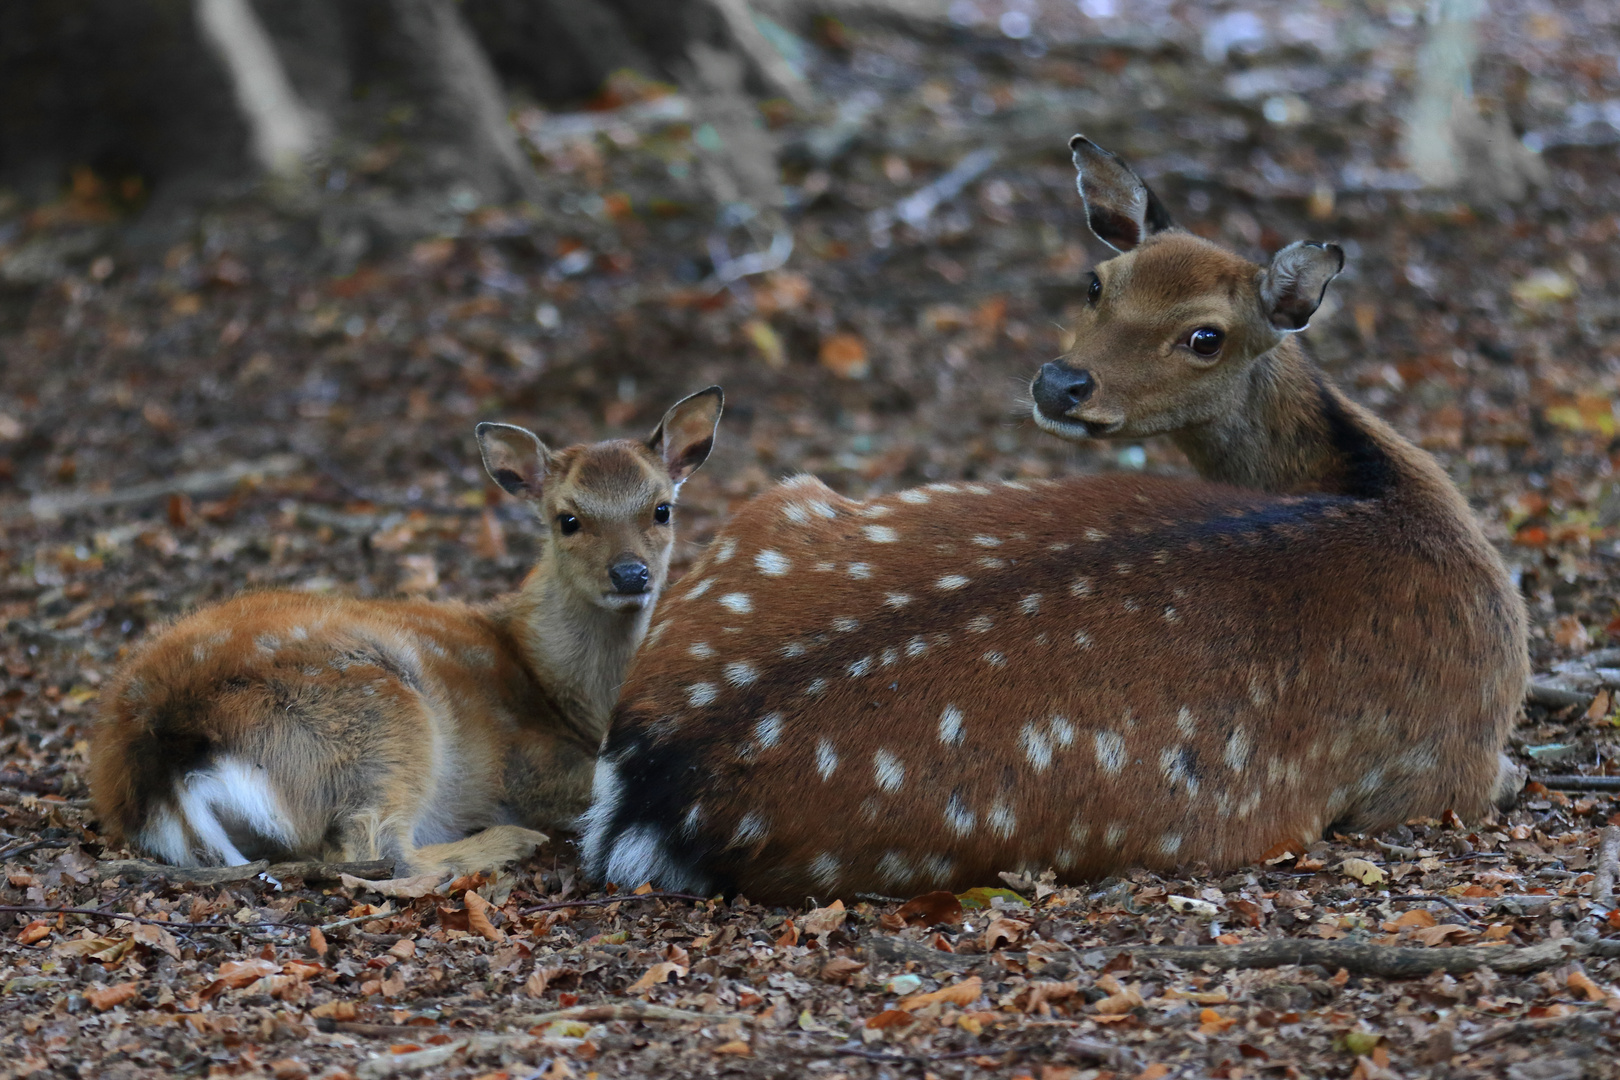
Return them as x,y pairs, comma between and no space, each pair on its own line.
164,836
606,791
639,855
237,791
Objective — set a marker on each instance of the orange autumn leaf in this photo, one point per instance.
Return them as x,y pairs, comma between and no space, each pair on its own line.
735,1047
1581,983
889,1018
963,993
478,921
1414,917
102,1000
34,931
656,975
931,909
789,937
845,356
317,941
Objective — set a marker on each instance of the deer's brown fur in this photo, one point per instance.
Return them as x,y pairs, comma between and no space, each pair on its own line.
292,725
920,690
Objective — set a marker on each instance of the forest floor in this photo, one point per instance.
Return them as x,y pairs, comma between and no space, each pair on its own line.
251,394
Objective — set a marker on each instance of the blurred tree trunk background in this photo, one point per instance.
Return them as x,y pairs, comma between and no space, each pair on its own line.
184,95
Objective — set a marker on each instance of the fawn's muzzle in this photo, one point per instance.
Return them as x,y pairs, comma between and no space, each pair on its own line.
629,577
1058,389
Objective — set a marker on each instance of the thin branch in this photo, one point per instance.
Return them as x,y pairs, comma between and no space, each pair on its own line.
1425,898
629,1010
23,849
606,900
1579,783
1608,865
1538,1026
916,1059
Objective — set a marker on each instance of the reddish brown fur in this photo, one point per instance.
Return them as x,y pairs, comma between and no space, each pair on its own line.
298,725
1142,671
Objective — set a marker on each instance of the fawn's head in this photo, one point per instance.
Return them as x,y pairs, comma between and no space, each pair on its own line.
607,508
1174,323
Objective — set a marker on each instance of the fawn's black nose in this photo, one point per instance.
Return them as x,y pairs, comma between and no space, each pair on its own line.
629,577
1058,389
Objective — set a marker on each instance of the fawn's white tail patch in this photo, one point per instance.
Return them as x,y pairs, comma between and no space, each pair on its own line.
229,802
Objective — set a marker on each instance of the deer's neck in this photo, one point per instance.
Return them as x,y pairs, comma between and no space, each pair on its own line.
1295,432
578,650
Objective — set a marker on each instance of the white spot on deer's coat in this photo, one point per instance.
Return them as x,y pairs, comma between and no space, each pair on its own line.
876,510
896,599
794,648
826,758
950,726
693,819
825,567
976,489
640,854
890,656
768,730
740,673
894,869
1036,747
958,816
860,571
1080,831
772,563
1062,732
1169,844
1082,640
917,645
1132,604
1186,722
1237,749
995,659
981,624
937,868
1003,822
1095,535
880,534
1065,859
860,667
990,562
1110,752
700,694
1031,604
1122,569
916,496
845,625
1173,764
950,581
824,870
987,541
1080,586
739,602
1170,615
823,509
699,588
796,513
751,828
943,489
700,650
890,770
815,686
1115,835
1015,485
724,550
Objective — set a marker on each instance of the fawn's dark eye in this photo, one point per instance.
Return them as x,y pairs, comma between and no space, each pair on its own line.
1094,290
661,513
568,524
1205,341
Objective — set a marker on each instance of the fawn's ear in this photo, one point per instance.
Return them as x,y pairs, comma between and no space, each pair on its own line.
1292,287
684,437
1121,210
514,459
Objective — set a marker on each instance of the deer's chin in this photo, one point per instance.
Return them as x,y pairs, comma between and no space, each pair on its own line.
1076,430
627,605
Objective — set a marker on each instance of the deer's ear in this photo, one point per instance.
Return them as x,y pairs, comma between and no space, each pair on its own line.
514,458
1292,287
684,437
1121,210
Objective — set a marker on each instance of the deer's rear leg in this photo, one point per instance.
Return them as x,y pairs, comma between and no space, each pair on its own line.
485,850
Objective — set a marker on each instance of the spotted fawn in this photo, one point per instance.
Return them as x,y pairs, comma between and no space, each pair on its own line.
282,724
920,690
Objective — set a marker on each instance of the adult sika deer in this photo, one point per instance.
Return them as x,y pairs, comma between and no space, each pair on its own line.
920,690
289,725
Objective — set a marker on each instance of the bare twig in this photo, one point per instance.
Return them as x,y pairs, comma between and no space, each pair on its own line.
606,900
1539,1025
629,1010
42,785
1580,783
1555,697
1608,864
23,849
223,875
1383,960
1425,898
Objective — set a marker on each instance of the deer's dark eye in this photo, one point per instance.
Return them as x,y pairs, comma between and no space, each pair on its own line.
1205,341
1094,290
661,513
568,524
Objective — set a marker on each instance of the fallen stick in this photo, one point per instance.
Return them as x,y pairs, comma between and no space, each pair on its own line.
629,1010
48,506
224,875
602,901
1388,961
1608,865
1538,1026
39,785
1556,697
1579,783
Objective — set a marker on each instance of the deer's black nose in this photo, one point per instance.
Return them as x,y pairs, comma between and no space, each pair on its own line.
629,577
1058,389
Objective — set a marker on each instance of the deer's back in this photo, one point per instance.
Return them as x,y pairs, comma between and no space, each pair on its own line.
1093,673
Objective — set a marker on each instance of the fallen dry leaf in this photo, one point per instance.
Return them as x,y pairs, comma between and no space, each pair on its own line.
1437,935
657,975
35,931
932,909
889,1018
1582,983
1003,932
478,921
845,356
102,1000
155,937
1363,871
841,969
823,921
963,993
736,1048
410,888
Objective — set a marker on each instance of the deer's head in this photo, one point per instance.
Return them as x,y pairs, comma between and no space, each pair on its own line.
607,508
1174,324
